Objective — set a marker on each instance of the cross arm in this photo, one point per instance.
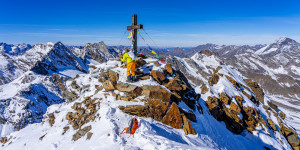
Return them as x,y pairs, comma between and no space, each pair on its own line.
140,26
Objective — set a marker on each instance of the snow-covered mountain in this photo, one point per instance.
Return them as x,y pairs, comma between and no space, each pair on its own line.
97,51
74,101
17,49
282,45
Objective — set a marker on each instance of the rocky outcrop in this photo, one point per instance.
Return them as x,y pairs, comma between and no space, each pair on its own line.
256,89
187,126
169,68
81,132
85,112
213,80
173,85
173,117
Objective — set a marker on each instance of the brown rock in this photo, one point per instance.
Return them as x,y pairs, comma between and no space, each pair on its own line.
139,62
225,98
156,92
145,77
256,89
232,121
156,109
108,85
204,89
272,105
137,110
3,140
239,100
173,117
158,76
113,76
122,87
212,102
81,132
235,108
272,124
65,129
169,68
187,126
282,114
213,80
173,85
89,135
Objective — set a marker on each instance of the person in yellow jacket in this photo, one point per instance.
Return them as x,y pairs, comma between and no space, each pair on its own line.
129,57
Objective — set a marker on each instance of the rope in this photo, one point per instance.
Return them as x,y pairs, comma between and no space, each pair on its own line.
122,38
145,41
150,37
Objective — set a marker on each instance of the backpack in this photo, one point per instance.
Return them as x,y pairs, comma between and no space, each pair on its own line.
133,126
131,55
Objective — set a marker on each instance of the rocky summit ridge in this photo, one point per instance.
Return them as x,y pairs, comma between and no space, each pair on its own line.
67,100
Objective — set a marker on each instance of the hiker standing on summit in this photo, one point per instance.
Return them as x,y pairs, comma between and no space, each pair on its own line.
129,57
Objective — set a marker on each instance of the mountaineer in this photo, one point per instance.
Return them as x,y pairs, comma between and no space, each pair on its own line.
129,57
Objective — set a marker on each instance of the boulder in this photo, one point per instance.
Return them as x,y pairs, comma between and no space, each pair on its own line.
81,132
108,85
158,76
212,102
225,98
173,117
272,105
187,126
89,135
137,110
169,68
213,79
173,85
145,77
156,109
122,87
235,108
113,76
204,89
272,124
139,62
282,114
156,92
239,100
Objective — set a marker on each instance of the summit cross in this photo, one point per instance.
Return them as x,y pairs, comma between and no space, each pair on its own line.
134,28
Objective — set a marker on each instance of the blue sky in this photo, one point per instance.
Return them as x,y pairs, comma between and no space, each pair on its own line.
169,23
